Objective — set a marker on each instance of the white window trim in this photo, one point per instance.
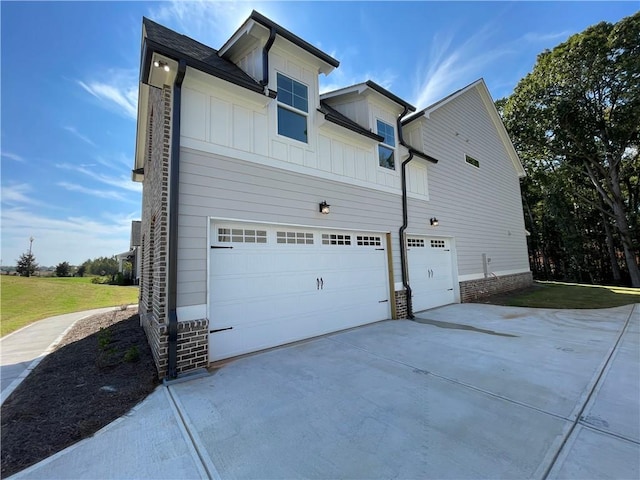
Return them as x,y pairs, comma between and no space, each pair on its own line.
392,148
294,110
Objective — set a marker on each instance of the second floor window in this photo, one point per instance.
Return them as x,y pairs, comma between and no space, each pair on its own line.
293,108
387,148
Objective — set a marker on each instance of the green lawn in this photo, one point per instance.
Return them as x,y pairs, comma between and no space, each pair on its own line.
572,295
25,300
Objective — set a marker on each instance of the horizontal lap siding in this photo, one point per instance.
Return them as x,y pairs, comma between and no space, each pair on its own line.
480,207
216,186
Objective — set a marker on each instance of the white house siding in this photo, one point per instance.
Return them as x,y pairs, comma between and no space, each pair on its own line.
354,107
479,207
222,187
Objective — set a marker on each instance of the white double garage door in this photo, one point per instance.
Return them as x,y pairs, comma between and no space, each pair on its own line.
271,284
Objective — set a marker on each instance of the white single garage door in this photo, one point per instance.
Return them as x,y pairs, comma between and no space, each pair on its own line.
270,285
430,272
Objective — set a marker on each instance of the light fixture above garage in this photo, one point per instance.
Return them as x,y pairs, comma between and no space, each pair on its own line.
434,222
325,208
163,65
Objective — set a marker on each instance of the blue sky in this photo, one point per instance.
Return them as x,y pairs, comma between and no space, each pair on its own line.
69,89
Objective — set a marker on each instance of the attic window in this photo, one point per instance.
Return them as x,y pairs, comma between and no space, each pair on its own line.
472,161
386,149
293,108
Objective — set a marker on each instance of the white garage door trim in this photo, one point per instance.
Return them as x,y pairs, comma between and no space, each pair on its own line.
432,273
272,284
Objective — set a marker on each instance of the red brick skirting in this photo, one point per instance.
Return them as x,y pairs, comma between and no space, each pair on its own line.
473,290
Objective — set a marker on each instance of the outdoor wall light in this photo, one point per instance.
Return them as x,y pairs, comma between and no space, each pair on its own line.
164,65
324,208
434,222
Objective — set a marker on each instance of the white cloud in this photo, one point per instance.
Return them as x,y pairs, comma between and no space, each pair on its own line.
535,37
449,67
72,239
12,156
18,194
209,22
74,131
118,93
123,181
106,194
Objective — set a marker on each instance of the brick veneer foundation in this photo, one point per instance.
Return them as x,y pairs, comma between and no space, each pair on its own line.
401,304
473,290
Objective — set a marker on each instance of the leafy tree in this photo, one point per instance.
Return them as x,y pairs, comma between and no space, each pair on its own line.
81,270
63,269
26,264
102,266
577,116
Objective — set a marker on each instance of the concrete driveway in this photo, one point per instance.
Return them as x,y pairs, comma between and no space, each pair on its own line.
465,391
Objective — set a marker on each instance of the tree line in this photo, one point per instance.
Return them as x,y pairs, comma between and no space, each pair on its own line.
575,122
27,266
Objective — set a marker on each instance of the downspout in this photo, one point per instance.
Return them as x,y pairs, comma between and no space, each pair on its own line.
265,59
174,176
405,217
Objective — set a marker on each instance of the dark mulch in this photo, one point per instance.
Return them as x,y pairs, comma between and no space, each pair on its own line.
102,368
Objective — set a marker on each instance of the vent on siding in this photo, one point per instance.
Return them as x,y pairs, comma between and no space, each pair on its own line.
298,238
239,235
472,161
437,244
335,239
415,242
364,241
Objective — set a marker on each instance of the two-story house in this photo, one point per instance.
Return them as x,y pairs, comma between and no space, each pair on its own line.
272,213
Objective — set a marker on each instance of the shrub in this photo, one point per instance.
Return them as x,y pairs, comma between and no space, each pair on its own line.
132,354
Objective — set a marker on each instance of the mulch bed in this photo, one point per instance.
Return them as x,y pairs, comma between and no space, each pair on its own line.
102,368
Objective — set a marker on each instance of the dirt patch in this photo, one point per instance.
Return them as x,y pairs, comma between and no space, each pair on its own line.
102,368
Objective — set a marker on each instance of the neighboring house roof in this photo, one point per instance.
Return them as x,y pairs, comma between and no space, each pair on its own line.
197,55
481,86
369,84
334,116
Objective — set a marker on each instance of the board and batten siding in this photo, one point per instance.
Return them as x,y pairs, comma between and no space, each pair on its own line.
222,187
480,207
226,123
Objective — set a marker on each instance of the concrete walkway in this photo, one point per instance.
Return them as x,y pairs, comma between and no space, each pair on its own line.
22,350
466,391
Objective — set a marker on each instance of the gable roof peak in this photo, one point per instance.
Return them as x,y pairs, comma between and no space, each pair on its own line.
371,85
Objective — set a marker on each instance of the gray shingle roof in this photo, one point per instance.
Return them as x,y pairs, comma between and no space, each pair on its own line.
197,55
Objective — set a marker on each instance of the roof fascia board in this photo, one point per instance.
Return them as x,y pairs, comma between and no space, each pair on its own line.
386,93
286,34
500,128
441,103
244,29
367,87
